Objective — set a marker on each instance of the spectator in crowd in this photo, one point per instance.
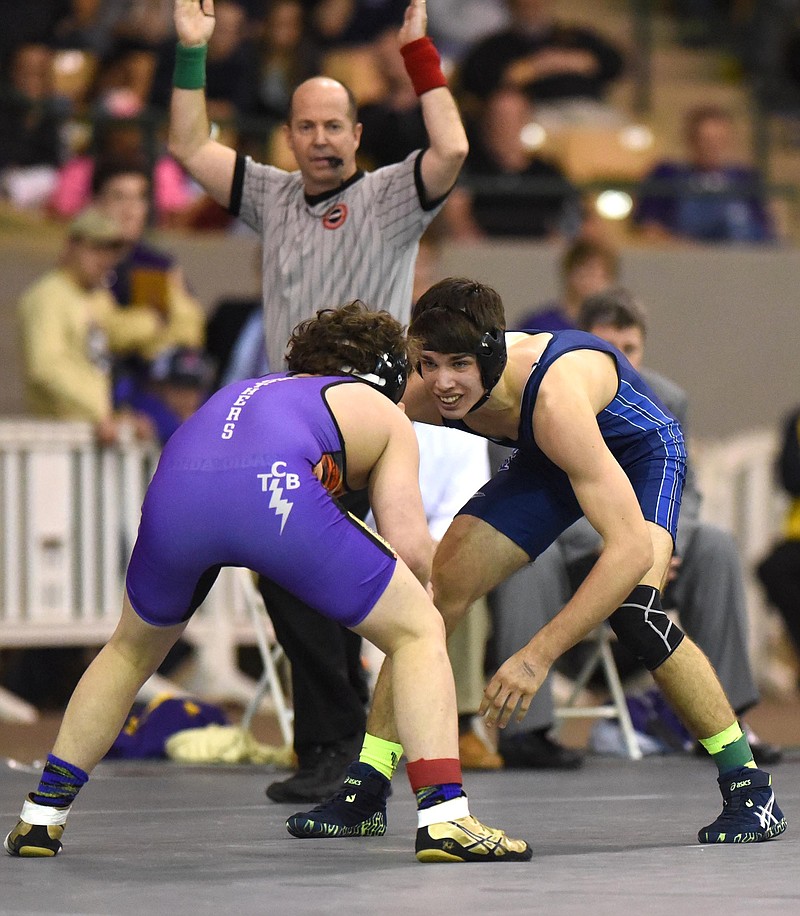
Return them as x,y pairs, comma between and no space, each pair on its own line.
564,70
89,25
285,56
30,121
587,267
356,23
547,210
707,197
145,275
705,582
71,324
177,382
118,137
779,571
456,25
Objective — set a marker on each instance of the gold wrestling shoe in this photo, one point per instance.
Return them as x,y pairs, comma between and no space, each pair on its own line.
468,840
34,840
38,832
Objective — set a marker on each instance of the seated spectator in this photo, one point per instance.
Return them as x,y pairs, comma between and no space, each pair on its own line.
587,267
71,325
455,25
285,56
353,23
118,138
706,198
170,389
88,25
564,70
779,571
30,121
144,276
531,198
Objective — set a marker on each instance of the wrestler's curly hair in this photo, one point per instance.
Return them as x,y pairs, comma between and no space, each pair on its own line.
348,339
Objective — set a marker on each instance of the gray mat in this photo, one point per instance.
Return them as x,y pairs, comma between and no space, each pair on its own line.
616,837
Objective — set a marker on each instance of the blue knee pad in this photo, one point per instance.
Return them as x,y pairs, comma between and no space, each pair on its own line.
643,627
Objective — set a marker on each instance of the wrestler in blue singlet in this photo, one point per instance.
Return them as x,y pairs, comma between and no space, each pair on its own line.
248,481
531,500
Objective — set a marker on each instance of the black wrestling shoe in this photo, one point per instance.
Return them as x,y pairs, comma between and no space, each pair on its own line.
750,813
535,750
357,809
320,774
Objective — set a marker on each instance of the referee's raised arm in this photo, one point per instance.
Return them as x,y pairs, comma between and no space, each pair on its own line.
448,147
208,162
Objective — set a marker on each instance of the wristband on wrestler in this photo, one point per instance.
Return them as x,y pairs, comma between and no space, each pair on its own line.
190,67
423,65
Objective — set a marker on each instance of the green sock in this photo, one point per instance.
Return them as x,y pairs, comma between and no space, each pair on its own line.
730,749
382,754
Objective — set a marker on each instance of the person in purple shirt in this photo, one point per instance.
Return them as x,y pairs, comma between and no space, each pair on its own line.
707,198
587,267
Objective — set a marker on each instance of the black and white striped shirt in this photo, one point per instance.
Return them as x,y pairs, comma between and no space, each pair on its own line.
359,241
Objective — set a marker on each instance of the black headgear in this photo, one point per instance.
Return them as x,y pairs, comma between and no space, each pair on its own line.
491,355
389,376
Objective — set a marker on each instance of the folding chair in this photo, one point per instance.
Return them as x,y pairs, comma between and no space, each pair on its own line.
601,654
271,654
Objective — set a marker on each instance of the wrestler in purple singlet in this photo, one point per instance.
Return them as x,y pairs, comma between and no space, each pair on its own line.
236,486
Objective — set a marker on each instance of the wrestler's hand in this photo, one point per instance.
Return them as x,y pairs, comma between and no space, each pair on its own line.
194,21
514,685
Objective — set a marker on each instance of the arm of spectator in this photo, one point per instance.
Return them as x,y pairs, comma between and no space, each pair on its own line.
210,163
549,62
448,146
130,329
185,316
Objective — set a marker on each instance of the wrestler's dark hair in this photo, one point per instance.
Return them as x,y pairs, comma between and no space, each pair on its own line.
351,340
454,314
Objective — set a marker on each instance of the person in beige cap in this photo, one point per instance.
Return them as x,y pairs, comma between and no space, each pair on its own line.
70,325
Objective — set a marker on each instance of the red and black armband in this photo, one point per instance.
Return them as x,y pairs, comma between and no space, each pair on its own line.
423,65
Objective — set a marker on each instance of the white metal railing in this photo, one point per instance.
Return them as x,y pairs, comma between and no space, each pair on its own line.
69,513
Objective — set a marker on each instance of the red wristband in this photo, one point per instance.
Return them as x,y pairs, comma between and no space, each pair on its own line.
423,65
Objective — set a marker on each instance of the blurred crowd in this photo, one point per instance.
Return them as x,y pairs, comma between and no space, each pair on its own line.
85,82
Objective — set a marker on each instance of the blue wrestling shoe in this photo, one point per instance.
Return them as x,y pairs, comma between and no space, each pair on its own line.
357,809
750,813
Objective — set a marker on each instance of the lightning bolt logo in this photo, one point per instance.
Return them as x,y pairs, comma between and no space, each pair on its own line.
281,506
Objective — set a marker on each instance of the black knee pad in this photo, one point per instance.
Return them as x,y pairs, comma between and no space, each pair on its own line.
643,627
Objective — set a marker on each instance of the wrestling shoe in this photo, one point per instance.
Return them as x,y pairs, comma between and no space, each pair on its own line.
750,813
38,832
357,809
468,840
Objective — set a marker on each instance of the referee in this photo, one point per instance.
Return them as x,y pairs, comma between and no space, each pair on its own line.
331,233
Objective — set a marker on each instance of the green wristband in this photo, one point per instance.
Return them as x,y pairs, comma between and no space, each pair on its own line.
190,67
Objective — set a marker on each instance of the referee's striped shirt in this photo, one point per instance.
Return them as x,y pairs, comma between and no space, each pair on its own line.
359,241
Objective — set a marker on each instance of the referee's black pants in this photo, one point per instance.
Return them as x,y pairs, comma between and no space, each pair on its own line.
329,686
